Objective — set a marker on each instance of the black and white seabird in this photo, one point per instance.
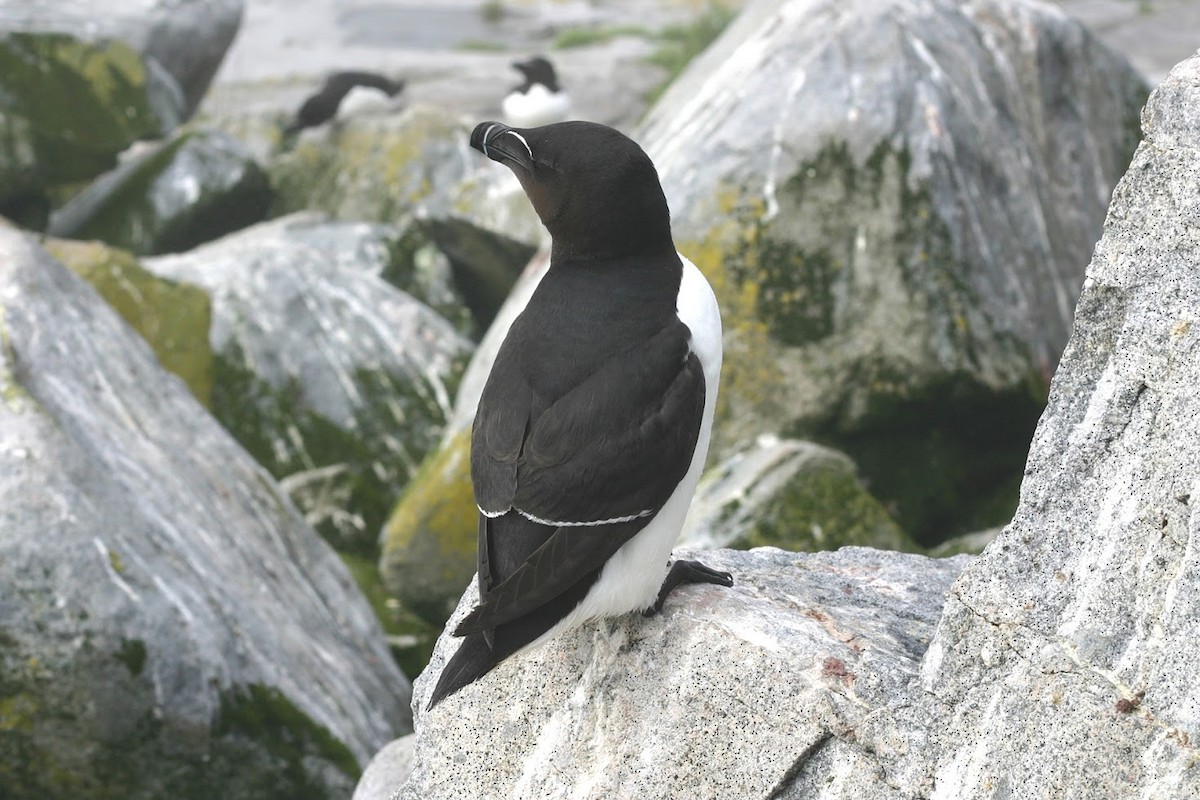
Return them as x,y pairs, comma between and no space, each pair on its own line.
595,421
340,92
539,100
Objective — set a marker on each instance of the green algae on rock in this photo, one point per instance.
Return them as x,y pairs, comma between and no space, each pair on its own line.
790,494
177,571
337,382
192,188
67,108
429,542
892,229
173,317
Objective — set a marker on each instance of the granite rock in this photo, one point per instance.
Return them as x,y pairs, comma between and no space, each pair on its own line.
170,626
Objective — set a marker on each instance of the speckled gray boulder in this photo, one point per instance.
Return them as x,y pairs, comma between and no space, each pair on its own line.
1074,636
171,196
895,200
335,380
169,625
721,696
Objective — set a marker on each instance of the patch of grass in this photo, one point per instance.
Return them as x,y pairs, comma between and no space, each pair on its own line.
679,44
481,46
582,37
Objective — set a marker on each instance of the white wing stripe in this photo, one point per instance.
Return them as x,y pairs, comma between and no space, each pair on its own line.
612,521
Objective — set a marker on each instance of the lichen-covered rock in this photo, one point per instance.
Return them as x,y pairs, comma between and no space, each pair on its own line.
401,254
183,41
174,318
720,696
789,494
169,625
429,540
333,379
196,186
894,201
67,108
418,164
1074,635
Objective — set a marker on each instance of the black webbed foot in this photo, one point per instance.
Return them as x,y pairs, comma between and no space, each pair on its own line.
687,572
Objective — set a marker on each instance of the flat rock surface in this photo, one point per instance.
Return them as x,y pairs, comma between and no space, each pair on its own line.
718,697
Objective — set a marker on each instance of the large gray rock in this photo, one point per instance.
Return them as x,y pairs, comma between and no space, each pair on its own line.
720,696
185,39
332,378
169,625
1063,663
172,196
1075,635
895,200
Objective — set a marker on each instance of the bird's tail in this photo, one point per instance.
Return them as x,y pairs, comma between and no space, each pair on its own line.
472,661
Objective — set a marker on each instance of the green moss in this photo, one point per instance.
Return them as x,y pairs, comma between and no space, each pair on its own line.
12,394
679,44
823,506
133,655
345,479
135,210
80,103
938,442
174,318
410,638
948,461
429,542
114,559
265,716
586,36
372,171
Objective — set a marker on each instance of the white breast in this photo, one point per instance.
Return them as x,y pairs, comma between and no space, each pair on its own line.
538,106
631,579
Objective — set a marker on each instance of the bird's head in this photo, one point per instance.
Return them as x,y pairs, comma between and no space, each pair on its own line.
594,188
537,70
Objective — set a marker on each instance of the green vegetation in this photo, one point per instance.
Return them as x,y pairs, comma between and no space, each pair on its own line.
492,11
679,44
266,717
133,655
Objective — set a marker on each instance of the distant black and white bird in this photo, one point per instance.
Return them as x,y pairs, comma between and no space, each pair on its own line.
539,100
595,421
342,93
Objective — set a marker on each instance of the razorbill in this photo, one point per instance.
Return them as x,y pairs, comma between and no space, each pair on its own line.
539,100
595,420
340,90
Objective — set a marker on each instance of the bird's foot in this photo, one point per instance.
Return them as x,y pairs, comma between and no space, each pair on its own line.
687,572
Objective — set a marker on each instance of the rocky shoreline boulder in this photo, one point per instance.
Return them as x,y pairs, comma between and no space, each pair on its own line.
894,202
169,624
184,41
334,379
193,187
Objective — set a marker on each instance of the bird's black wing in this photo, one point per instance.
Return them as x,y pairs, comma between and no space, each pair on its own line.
592,468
